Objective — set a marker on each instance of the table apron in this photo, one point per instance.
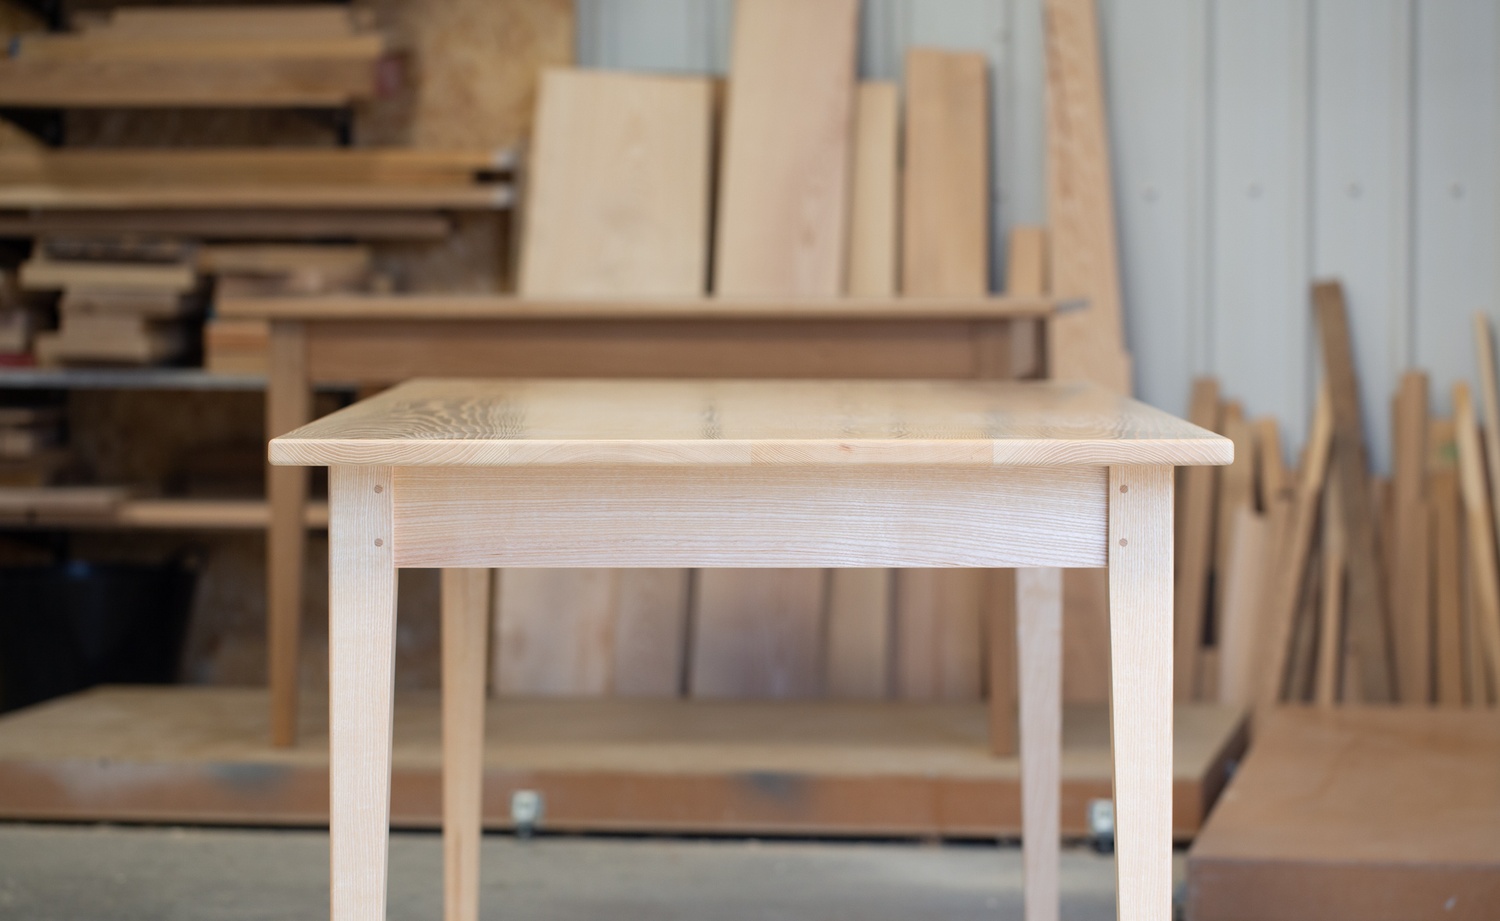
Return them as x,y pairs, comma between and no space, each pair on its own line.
824,516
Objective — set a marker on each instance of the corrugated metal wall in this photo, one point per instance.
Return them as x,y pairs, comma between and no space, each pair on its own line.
1258,143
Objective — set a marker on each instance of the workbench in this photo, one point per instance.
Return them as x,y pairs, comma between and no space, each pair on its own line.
467,475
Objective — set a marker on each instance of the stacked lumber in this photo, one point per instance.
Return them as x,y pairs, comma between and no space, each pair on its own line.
116,310
31,444
317,55
238,345
21,315
257,180
1326,583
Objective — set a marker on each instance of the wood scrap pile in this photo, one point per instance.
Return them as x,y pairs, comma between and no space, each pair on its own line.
315,55
1326,583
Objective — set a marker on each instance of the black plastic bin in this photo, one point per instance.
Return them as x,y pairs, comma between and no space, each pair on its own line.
73,625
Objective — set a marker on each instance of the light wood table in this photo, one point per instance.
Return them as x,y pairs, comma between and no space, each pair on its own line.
467,475
387,339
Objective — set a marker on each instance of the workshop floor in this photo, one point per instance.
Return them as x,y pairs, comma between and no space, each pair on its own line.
85,872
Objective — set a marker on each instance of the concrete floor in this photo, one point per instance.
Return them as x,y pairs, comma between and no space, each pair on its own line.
113,873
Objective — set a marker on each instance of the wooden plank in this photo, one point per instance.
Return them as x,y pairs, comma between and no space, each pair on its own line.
1195,547
1273,480
212,50
229,83
1039,632
945,239
1446,572
555,632
784,186
314,20
1080,202
1369,621
759,636
1236,491
1240,644
618,187
1410,542
873,225
1489,397
1331,646
1480,534
134,166
282,258
1360,814
48,275
1026,274
61,502
1287,589
867,769
247,224
495,196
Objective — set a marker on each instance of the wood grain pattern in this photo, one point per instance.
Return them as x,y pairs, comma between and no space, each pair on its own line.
873,223
1411,614
945,240
361,675
489,423
706,516
1447,563
465,635
784,186
1481,540
1195,547
618,187
1369,611
1080,202
1140,595
1039,632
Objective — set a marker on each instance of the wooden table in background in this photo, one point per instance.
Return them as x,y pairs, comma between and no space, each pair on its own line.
467,475
385,340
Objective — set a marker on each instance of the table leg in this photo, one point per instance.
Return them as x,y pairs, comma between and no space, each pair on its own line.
288,405
1140,600
1039,639
466,602
361,674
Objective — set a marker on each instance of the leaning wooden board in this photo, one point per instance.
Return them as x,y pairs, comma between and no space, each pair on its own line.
784,186
782,231
944,251
617,207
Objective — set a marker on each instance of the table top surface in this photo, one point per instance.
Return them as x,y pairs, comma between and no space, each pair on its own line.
469,423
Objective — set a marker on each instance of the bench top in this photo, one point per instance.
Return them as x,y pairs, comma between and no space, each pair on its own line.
476,423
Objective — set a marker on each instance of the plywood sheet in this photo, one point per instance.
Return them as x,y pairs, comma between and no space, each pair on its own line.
945,242
873,206
784,190
619,181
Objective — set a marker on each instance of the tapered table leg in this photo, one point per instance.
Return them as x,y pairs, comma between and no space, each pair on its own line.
466,602
1140,616
1039,639
361,677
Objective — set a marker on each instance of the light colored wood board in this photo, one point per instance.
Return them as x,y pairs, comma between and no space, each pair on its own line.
618,186
650,636
945,241
1367,813
155,305
1273,480
1480,532
757,633
1039,633
938,653
1080,202
68,48
435,422
651,516
361,670
1241,668
1302,658
1026,274
54,349
1489,399
859,644
320,20
784,185
187,82
869,768
61,501
1197,488
245,224
1287,589
282,258
1140,588
47,275
465,635
1409,543
1446,572
1236,491
453,306
874,247
1369,625
556,632
1331,646
489,196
